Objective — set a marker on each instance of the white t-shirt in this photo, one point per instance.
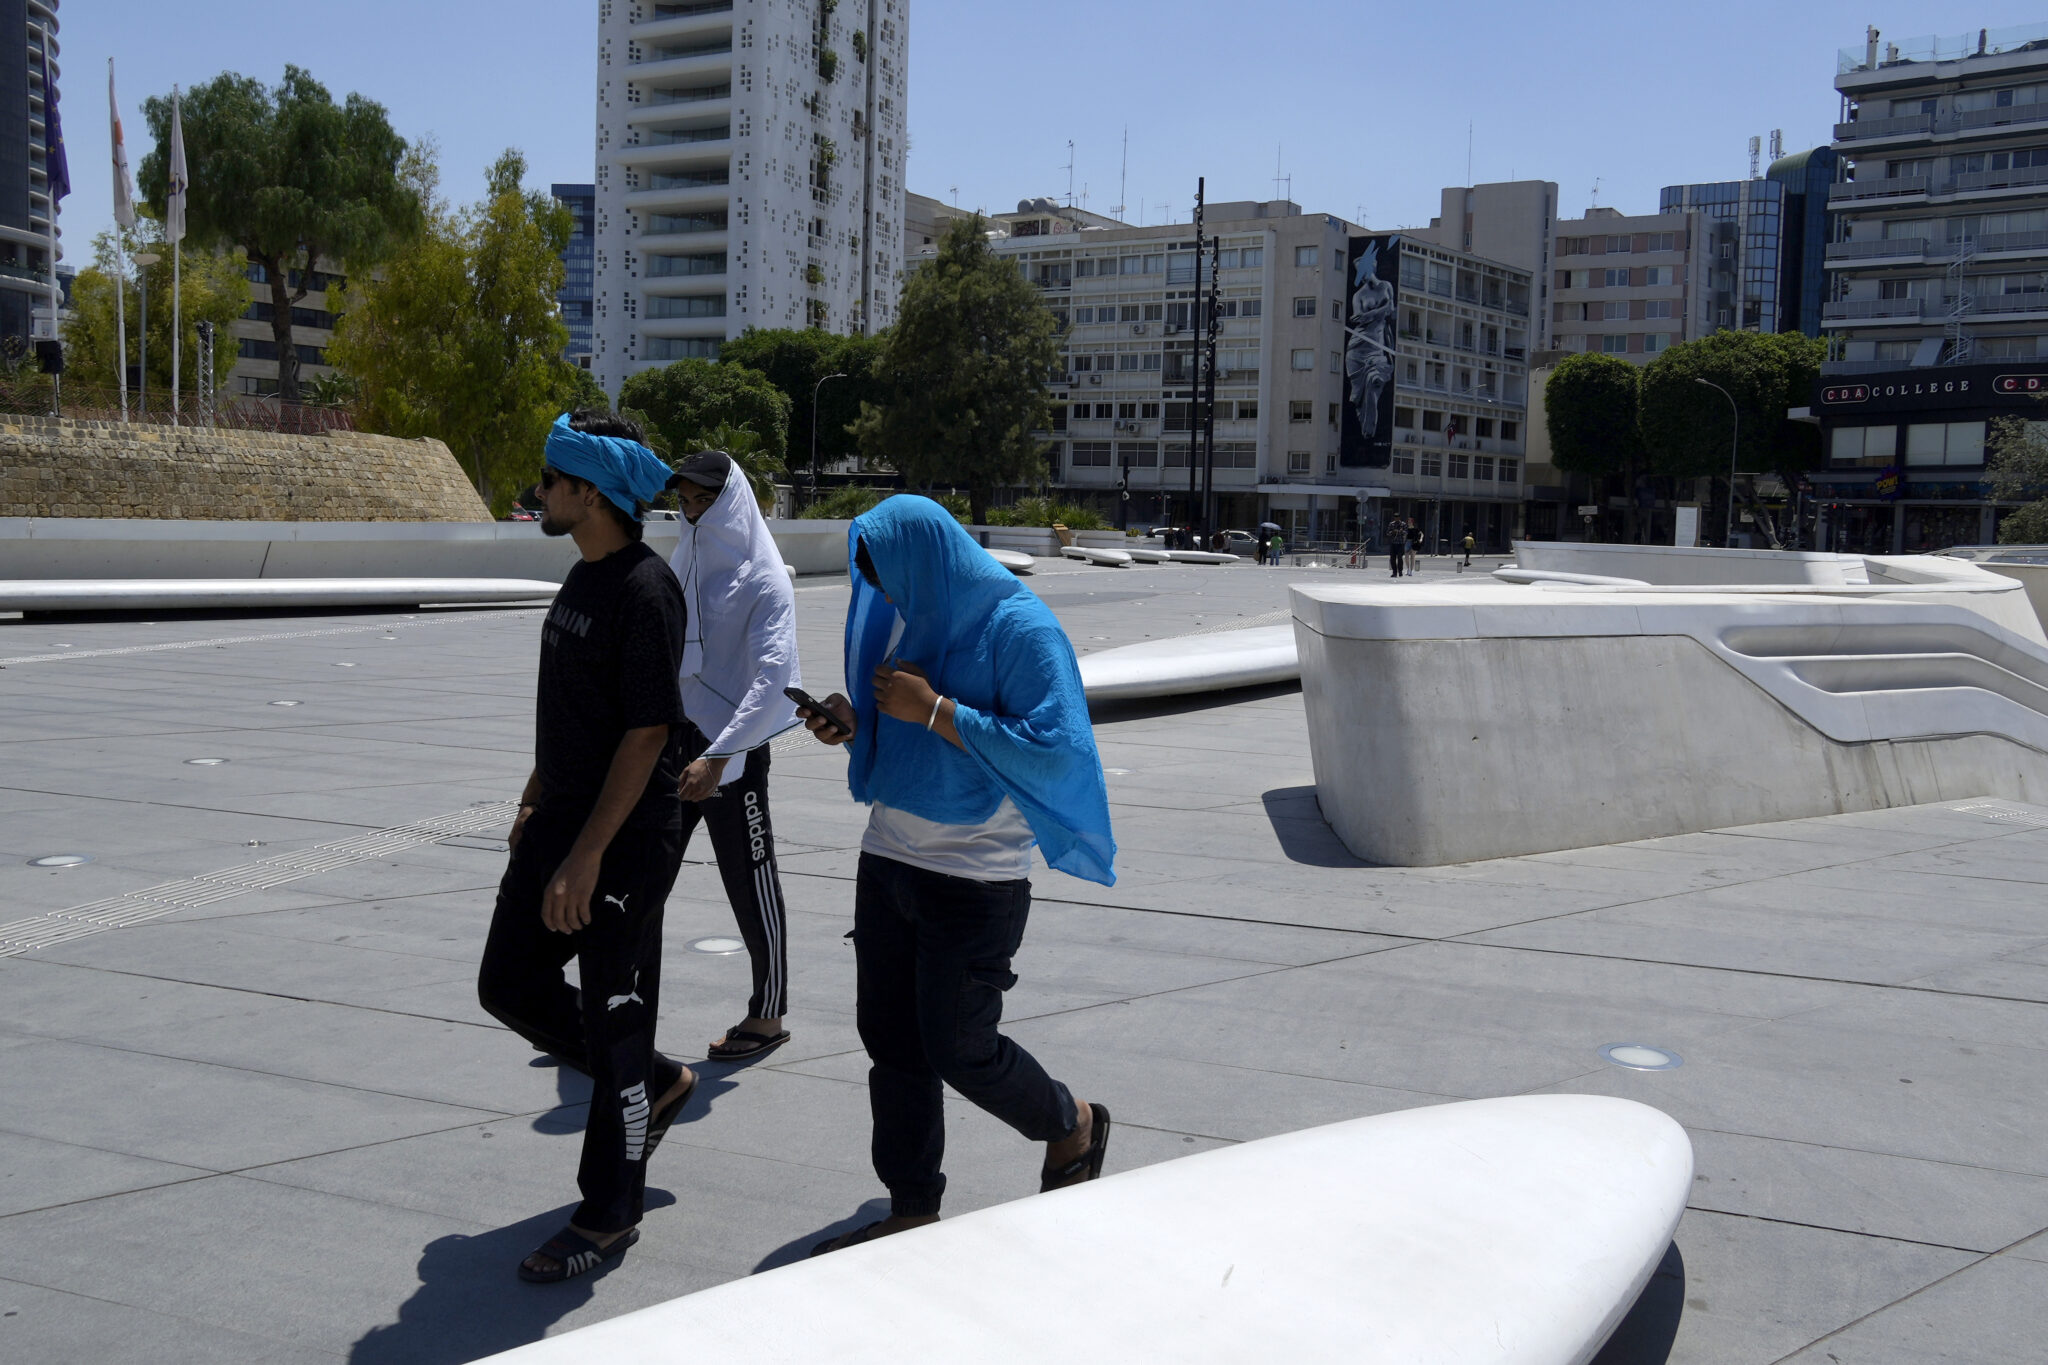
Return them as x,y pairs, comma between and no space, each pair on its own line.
996,850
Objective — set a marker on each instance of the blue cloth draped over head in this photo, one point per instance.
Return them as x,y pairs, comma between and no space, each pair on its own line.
988,643
625,471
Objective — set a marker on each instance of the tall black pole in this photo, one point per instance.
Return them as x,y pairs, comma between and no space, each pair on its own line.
1195,350
1209,390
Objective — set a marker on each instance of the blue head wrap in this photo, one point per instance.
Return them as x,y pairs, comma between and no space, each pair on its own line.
625,471
988,643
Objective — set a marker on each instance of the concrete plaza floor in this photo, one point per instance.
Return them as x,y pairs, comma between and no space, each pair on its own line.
259,1115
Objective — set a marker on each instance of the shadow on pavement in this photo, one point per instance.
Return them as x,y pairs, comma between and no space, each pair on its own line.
790,1252
1305,837
572,1087
471,1303
1646,1334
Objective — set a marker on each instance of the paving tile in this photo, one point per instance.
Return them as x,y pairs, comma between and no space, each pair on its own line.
1986,1314
38,1324
36,1173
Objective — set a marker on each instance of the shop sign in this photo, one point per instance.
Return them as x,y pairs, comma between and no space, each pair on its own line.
1890,483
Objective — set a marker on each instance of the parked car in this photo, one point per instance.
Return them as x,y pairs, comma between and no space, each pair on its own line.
1241,542
521,514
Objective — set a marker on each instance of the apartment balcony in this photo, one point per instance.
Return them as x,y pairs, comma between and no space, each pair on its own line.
2016,118
682,327
668,22
691,156
1896,251
2005,307
1870,129
679,276
1899,187
683,241
1984,182
1876,310
662,106
679,195
710,60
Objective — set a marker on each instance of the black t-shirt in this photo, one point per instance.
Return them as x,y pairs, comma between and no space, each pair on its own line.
610,650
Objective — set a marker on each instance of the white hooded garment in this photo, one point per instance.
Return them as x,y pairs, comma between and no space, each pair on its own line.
739,645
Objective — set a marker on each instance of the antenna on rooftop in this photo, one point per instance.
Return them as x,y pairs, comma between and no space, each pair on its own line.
1777,143
1070,172
1468,152
1123,178
1280,176
956,196
1596,191
1756,147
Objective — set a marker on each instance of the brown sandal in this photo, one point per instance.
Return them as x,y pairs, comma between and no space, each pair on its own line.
1088,1165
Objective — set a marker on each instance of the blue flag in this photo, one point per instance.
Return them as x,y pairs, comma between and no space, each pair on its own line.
53,134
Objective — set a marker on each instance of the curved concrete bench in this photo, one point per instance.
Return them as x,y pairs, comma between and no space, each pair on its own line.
1526,719
1512,1231
1254,657
172,594
1108,559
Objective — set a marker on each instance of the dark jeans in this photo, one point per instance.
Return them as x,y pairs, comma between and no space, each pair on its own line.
606,1030
933,956
1398,557
743,839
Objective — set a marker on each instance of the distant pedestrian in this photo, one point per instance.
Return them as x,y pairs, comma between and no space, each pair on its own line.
1414,549
1468,549
1260,549
1397,545
1274,548
598,838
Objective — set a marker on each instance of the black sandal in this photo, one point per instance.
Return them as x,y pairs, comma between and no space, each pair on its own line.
762,1044
574,1254
1088,1165
659,1122
864,1233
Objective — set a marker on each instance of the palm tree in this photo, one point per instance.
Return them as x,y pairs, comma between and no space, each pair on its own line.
744,445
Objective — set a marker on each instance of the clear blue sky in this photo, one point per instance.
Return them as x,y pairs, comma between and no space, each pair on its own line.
1366,104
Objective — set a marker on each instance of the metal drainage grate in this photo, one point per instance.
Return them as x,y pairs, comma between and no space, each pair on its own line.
1998,810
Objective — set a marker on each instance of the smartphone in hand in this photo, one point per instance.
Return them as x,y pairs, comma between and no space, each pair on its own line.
816,708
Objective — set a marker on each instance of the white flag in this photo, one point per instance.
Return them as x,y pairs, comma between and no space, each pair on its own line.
124,188
174,206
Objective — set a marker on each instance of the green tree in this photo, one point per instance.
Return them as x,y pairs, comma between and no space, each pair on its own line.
794,360
750,453
214,288
2018,472
290,177
458,336
1686,425
964,374
1590,412
683,402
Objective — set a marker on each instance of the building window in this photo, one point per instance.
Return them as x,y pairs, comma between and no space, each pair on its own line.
1094,454
1252,256
1614,345
1615,279
1509,431
1155,312
1431,465
1299,461
1945,443
1663,241
1614,308
1403,417
1333,416
1127,412
1482,467
1301,360
1151,362
1329,464
1336,363
1654,342
1304,308
1138,454
1300,410
1618,245
1103,411
1304,257
1250,308
1432,421
1247,412
1660,275
1176,455
1130,360
1128,313
1658,308
1461,465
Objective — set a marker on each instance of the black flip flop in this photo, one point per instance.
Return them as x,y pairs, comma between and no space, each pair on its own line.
574,1254
1088,1165
864,1233
764,1043
662,1119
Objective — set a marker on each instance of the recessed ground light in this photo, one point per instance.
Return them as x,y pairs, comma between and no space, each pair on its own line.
1642,1057
252,843
715,945
205,762
61,860
1117,772
344,665
284,703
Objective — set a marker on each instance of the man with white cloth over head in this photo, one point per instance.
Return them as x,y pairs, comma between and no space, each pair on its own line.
739,653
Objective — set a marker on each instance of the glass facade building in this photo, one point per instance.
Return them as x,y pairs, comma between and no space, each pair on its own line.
1745,245
1803,278
575,298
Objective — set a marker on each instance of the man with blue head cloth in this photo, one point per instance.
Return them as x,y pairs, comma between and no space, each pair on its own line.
598,839
969,738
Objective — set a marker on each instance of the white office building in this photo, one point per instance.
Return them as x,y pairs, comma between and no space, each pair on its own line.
749,173
1447,392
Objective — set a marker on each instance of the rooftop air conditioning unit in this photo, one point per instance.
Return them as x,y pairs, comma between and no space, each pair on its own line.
1095,379
1137,329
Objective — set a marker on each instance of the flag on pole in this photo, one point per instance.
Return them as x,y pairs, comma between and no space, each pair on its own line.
124,188
174,200
53,131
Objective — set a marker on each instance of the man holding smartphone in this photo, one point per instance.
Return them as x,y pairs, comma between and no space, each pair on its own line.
739,658
598,838
969,739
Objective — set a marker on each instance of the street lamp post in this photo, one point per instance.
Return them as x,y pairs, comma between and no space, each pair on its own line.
814,430
145,259
1734,449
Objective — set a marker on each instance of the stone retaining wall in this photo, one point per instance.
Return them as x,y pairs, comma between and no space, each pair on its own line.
63,468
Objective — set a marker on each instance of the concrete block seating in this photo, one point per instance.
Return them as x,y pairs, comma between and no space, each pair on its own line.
1458,722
